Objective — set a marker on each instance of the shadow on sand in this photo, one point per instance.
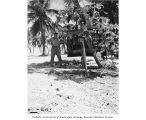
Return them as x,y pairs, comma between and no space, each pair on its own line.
72,70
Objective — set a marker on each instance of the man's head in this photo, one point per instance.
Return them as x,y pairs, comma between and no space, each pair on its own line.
55,34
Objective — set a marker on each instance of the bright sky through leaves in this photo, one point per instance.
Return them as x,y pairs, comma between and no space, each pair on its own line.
60,5
57,4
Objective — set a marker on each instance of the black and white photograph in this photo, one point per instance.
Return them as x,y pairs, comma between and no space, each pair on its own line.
73,57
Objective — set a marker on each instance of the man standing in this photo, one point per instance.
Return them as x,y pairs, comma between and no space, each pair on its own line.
55,50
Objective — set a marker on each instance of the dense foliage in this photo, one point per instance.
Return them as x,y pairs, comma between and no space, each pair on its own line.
97,22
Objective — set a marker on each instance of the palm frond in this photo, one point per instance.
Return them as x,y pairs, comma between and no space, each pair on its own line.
29,20
35,42
32,4
36,27
31,15
68,2
47,4
30,8
48,25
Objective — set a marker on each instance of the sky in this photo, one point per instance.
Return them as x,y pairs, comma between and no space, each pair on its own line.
57,4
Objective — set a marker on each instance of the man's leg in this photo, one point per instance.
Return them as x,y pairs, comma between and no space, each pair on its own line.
58,53
52,55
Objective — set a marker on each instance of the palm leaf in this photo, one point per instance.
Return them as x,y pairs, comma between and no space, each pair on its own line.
31,15
48,25
68,2
36,27
47,4
29,20
30,8
35,42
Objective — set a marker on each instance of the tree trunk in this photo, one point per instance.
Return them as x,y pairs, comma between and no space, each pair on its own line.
43,42
106,52
94,52
96,59
77,6
84,55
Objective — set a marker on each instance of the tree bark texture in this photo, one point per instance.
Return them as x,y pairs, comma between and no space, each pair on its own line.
43,42
77,6
84,54
94,52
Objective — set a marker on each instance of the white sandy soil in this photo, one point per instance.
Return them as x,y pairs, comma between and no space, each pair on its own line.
53,93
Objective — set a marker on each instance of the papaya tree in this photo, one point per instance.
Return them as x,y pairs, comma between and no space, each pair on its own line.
81,23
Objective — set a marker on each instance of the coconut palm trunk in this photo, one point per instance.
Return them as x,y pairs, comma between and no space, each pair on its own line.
43,39
43,42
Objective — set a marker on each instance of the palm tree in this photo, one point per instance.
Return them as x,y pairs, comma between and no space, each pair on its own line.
38,16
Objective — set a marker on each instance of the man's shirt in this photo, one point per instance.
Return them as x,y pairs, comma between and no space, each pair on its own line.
55,41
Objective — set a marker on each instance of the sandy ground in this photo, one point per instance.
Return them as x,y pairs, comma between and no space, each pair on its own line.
67,90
